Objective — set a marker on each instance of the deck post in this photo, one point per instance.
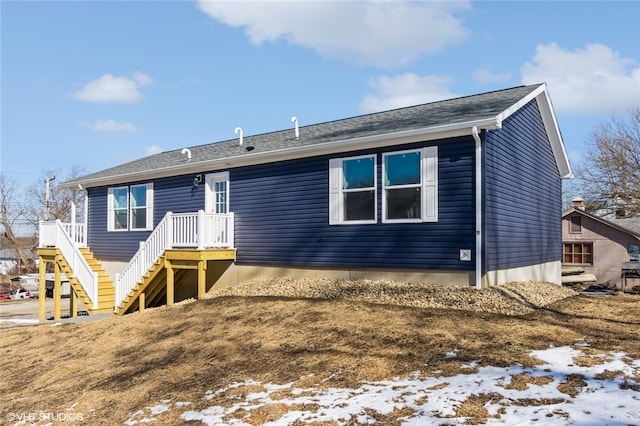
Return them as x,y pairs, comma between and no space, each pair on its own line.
42,289
202,276
201,230
73,303
170,283
141,302
57,290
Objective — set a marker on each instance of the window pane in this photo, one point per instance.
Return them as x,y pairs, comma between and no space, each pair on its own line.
220,190
139,218
576,224
359,205
358,173
402,169
403,203
138,196
120,219
120,198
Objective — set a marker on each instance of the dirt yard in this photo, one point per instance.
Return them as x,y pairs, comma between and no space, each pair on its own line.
115,370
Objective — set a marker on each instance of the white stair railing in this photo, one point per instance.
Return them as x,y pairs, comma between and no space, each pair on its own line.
56,234
176,230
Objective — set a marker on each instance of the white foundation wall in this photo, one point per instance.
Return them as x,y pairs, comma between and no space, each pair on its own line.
222,274
550,272
113,267
239,273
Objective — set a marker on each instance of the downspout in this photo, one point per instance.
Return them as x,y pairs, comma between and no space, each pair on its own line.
85,237
478,168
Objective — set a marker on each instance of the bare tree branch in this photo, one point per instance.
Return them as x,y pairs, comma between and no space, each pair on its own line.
611,170
12,211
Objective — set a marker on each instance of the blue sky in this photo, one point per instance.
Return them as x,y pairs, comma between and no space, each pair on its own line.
92,84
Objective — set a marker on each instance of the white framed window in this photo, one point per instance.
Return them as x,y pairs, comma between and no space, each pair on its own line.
352,190
130,208
410,186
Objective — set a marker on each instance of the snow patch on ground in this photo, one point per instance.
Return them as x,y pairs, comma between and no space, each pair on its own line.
605,393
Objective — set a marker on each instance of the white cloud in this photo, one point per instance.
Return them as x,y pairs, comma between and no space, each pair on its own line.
152,149
142,79
110,126
590,80
379,33
109,88
485,75
405,90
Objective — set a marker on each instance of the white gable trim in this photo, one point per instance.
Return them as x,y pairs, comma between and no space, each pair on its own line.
541,95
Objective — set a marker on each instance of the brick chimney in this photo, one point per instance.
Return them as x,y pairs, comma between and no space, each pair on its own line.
578,203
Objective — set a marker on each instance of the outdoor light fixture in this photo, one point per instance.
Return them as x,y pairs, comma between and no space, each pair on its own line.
197,180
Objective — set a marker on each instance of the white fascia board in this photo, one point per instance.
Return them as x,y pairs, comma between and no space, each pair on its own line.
334,147
541,95
555,137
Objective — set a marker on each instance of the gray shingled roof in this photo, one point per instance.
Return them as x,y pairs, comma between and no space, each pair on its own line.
630,223
447,112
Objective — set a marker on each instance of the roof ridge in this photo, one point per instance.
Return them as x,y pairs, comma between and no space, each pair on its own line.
371,114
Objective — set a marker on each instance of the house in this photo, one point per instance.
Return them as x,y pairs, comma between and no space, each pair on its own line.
599,246
464,191
8,260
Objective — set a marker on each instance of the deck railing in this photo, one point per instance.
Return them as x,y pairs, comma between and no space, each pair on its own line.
67,238
180,230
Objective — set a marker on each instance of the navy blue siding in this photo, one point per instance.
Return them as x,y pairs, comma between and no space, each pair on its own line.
173,194
282,218
523,194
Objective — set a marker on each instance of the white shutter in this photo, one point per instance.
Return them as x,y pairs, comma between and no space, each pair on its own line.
335,190
149,206
110,224
430,184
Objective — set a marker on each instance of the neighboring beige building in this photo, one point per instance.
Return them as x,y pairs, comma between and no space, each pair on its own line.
599,246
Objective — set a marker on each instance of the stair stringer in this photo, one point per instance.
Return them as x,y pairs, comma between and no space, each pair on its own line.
106,289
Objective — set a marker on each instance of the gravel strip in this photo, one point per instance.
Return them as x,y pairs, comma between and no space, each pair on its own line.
516,298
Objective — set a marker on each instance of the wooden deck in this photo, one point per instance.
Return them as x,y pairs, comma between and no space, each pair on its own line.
156,287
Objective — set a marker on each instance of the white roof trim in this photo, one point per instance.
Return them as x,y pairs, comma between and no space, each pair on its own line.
551,125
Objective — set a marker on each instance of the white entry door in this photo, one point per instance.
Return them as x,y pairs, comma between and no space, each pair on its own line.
217,193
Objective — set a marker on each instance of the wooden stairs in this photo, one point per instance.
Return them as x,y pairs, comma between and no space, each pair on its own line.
154,286
106,288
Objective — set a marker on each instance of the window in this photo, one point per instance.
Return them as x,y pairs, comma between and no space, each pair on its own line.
409,188
578,253
575,224
352,187
130,208
120,203
409,183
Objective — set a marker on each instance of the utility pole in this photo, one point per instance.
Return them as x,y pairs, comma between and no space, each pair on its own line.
47,183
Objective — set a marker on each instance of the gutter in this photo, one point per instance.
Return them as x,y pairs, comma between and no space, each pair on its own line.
478,190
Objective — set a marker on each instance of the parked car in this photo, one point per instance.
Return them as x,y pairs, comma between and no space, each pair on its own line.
5,296
20,293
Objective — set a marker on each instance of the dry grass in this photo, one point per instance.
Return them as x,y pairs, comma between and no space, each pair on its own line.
111,368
